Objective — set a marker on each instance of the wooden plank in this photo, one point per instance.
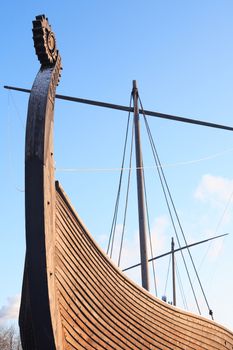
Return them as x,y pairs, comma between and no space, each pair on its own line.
86,268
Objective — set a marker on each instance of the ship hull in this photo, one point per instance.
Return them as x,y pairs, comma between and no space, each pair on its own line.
73,296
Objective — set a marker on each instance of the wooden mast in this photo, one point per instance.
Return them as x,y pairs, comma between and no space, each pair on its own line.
140,191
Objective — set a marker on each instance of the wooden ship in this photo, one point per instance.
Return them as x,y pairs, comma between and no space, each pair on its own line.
73,296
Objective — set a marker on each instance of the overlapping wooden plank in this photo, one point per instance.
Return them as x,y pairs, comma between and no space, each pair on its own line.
82,260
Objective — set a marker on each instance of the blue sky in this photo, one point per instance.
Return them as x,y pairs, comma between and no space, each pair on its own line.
181,54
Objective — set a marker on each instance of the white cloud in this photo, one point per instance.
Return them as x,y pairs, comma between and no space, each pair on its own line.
217,193
216,249
102,240
215,190
131,246
10,310
158,233
131,251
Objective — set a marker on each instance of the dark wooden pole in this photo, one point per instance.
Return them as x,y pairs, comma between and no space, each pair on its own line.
173,272
176,250
140,190
129,109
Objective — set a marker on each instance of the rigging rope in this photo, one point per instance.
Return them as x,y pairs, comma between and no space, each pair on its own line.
164,165
181,288
224,211
150,236
113,227
16,109
127,196
163,181
9,138
112,234
168,271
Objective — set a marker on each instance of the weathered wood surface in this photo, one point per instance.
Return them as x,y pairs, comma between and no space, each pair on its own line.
102,309
39,321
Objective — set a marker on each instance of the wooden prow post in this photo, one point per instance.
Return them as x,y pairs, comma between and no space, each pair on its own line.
140,190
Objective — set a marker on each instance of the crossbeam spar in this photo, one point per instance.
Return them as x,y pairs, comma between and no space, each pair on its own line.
130,109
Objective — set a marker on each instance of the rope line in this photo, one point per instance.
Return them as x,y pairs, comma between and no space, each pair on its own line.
17,110
164,188
168,271
9,136
224,211
127,197
113,227
150,236
181,288
164,165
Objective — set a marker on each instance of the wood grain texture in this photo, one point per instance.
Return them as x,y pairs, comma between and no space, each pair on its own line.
39,317
102,309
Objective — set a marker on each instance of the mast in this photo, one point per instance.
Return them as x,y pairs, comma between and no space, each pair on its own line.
140,191
173,272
